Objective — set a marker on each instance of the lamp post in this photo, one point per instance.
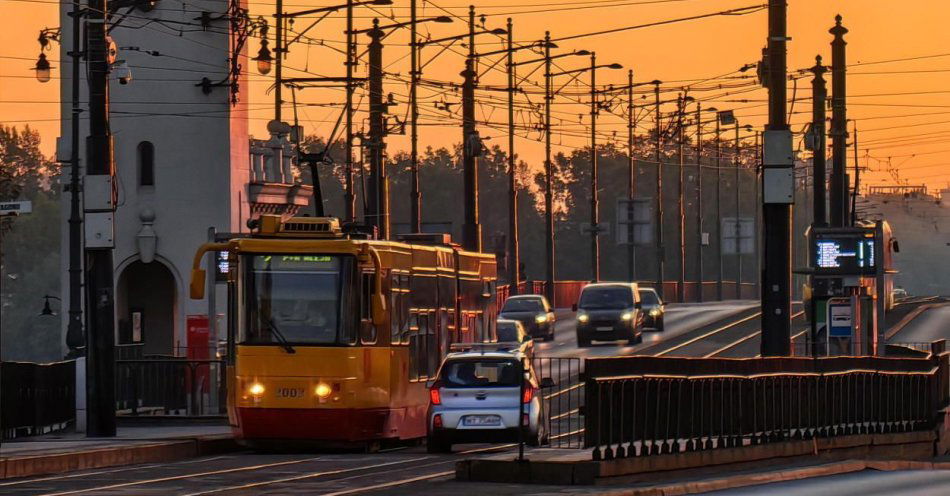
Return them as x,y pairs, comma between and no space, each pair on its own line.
548,164
594,197
74,327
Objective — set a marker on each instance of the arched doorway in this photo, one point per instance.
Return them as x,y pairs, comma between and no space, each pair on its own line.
146,307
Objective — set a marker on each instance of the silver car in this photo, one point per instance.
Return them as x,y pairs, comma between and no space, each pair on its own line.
477,398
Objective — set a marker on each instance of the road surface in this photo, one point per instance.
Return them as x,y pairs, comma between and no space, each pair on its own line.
691,330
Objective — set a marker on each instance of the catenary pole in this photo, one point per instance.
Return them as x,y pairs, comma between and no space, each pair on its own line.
631,180
719,206
681,197
100,298
819,95
349,197
777,200
514,261
699,200
594,200
416,194
839,127
660,247
548,174
74,331
471,145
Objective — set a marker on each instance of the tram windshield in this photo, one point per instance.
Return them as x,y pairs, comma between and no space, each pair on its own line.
296,300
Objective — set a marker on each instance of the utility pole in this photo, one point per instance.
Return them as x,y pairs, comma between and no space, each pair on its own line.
415,199
857,177
279,50
779,192
681,197
719,204
378,194
349,197
819,94
74,331
548,174
471,144
660,247
737,163
631,178
514,261
839,130
594,200
100,210
699,197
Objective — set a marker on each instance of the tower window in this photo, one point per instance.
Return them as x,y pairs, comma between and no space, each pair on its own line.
146,159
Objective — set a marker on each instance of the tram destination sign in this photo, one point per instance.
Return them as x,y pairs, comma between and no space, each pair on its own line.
848,251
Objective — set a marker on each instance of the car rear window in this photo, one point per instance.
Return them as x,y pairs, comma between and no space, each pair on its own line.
508,333
480,373
522,305
606,298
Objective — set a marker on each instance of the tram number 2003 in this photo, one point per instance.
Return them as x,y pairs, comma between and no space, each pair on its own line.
290,392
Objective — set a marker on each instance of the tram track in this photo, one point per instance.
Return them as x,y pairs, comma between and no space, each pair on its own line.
330,475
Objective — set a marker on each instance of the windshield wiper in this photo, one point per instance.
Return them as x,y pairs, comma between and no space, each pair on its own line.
280,337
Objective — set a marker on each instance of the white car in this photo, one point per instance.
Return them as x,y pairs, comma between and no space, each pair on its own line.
477,397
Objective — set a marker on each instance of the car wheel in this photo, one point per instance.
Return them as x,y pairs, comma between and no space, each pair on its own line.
435,445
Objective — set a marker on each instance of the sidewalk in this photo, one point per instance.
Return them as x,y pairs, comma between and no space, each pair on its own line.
64,452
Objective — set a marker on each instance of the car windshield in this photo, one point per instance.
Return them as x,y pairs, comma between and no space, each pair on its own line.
293,299
480,373
648,297
522,305
507,332
606,298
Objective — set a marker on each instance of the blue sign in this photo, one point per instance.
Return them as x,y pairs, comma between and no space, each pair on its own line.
840,322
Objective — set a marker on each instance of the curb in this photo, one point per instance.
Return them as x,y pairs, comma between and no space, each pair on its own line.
744,480
117,456
900,325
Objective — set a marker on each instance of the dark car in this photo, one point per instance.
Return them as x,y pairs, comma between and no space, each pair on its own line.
653,309
608,312
534,312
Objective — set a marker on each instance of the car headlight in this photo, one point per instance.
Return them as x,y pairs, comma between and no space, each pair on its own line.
654,312
541,318
582,317
626,315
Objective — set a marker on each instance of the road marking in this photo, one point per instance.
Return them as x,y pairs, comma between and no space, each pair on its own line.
311,475
392,484
710,333
186,476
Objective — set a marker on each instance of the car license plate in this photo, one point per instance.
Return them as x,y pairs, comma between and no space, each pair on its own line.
481,420
605,328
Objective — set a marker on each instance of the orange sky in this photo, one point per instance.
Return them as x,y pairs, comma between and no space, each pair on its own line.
880,30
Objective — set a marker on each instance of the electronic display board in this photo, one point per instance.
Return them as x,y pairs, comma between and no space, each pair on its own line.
845,252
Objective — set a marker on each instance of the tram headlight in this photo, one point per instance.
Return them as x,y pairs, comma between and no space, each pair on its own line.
322,390
256,389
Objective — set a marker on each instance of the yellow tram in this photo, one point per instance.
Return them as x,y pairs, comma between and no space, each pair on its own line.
331,337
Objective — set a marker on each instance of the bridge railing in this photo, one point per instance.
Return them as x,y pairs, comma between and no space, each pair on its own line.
566,293
37,397
170,386
639,406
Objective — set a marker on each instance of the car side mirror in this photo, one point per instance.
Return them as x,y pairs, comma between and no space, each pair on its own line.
574,307
547,382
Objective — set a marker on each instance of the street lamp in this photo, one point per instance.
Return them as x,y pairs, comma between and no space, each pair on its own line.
47,311
42,69
594,200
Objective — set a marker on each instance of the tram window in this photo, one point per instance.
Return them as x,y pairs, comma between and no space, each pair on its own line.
366,297
432,347
414,345
423,348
